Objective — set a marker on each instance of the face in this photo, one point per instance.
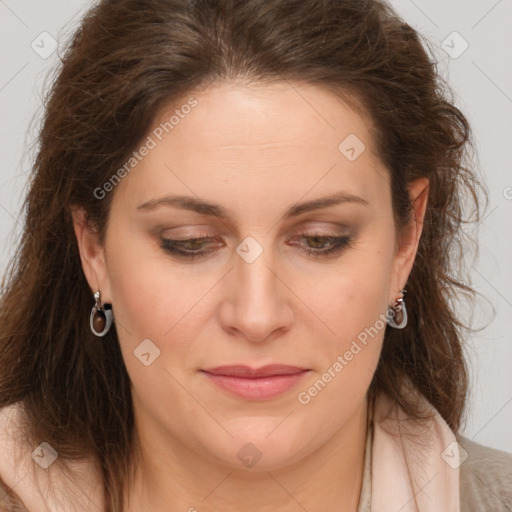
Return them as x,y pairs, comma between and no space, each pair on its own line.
275,280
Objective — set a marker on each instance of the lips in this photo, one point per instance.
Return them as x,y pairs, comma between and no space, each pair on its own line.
261,383
248,372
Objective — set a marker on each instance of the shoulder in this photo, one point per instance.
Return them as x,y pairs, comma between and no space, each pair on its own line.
36,478
485,477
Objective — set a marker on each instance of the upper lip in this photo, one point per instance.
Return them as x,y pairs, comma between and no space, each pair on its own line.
241,370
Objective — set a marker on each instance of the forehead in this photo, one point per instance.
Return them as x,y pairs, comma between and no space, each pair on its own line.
258,141
230,114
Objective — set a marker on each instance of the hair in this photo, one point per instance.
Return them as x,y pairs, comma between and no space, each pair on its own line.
127,61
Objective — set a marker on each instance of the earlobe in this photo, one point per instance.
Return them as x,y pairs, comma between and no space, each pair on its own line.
91,253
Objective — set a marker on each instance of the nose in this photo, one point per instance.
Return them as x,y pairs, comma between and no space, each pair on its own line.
257,304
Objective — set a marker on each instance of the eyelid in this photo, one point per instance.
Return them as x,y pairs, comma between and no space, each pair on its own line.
190,232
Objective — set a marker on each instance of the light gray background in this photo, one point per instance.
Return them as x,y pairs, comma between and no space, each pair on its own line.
481,78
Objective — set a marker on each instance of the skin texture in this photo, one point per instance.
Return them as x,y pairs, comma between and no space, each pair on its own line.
256,151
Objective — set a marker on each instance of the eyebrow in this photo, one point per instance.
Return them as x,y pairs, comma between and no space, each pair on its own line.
215,210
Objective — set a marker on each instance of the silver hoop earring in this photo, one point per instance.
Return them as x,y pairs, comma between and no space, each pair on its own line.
397,313
101,318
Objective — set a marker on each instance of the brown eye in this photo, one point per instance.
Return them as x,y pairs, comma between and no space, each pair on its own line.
187,249
324,245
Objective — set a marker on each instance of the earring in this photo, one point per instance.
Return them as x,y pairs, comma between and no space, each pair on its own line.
101,318
397,314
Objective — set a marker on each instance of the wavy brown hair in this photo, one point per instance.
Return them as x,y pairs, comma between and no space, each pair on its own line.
131,58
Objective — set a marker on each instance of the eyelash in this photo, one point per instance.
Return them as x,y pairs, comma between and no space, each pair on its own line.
339,243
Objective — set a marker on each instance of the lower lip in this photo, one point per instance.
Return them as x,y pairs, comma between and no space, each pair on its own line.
260,388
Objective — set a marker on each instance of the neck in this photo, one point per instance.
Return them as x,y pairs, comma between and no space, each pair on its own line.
173,477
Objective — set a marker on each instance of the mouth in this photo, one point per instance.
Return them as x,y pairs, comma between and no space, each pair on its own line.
261,383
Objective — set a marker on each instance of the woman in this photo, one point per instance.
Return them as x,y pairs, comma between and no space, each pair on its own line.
234,285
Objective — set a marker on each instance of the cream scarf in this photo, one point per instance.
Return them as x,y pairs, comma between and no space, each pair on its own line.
414,467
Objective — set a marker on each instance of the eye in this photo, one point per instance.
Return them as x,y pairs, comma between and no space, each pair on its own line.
321,245
186,249
324,245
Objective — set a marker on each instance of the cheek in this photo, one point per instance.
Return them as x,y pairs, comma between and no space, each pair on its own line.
147,293
354,309
153,299
353,295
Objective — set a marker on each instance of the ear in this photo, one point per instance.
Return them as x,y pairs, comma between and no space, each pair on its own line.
407,247
92,255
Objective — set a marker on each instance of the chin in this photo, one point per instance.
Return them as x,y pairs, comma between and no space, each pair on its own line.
263,449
